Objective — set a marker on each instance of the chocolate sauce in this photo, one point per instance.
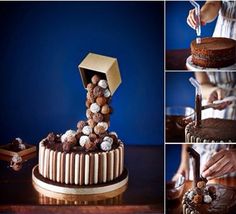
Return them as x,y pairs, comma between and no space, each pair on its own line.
198,110
175,126
196,165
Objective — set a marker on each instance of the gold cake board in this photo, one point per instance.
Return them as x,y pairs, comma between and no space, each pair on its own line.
192,67
74,192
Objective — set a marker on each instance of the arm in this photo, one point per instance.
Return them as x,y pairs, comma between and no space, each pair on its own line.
184,164
209,12
210,92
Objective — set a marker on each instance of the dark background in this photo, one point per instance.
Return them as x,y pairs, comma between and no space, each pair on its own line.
179,91
41,45
178,34
173,158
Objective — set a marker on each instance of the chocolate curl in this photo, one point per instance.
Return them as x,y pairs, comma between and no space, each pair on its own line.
196,165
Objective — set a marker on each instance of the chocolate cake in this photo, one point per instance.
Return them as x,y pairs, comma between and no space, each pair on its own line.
211,130
204,199
213,198
214,52
89,155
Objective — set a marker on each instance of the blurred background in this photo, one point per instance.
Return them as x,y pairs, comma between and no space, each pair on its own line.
42,44
179,91
178,34
173,158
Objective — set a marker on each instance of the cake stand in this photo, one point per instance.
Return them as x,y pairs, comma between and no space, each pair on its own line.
74,192
192,67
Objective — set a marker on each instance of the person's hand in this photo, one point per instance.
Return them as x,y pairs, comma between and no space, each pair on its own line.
183,170
218,94
192,20
223,162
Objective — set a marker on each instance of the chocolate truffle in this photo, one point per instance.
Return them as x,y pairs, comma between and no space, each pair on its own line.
94,108
88,103
99,130
101,101
103,84
98,91
91,97
105,109
95,79
92,123
81,124
89,114
92,137
97,117
201,184
91,146
90,87
66,146
51,137
197,199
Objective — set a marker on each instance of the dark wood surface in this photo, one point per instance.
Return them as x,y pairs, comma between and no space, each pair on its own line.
144,194
176,59
175,207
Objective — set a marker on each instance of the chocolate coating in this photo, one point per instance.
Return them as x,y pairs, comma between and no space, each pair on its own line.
214,52
214,129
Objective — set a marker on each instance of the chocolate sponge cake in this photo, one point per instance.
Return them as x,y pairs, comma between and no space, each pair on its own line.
211,130
214,52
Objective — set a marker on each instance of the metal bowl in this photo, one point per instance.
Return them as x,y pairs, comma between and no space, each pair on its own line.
174,189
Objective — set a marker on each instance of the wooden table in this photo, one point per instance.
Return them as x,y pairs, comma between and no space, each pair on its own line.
175,207
144,194
176,59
